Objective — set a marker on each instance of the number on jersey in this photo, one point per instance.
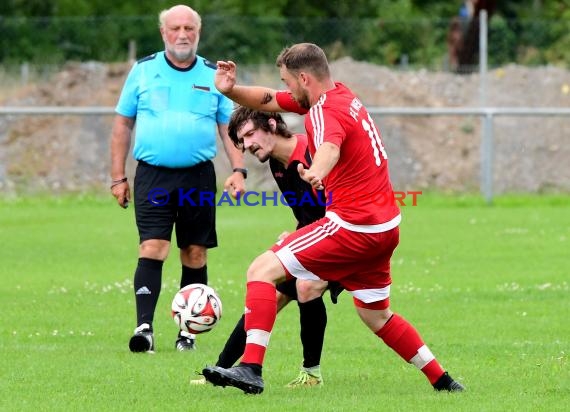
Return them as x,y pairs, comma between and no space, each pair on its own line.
375,140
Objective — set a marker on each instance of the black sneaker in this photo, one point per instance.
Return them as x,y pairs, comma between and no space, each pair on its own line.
142,339
447,383
185,342
241,377
213,375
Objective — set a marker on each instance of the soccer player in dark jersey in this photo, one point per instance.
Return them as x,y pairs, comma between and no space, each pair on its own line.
266,136
354,242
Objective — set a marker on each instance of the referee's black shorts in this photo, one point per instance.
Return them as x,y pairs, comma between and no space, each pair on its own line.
182,198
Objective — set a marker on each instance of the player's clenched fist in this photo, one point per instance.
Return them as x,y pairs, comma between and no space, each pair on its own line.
310,177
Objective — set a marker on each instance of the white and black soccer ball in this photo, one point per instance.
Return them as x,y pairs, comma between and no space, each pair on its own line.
196,308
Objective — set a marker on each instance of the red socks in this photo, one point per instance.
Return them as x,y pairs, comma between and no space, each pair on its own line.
403,338
260,314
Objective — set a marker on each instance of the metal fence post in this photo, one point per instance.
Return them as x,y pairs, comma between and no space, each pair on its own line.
487,156
487,120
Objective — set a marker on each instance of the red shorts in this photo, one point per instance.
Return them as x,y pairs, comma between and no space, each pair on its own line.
358,261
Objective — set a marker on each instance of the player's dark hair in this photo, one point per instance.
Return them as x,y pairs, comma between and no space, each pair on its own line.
260,120
305,57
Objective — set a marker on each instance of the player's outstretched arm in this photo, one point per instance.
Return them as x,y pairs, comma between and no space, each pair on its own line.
254,97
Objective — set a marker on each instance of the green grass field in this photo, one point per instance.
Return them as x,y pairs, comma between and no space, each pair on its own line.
486,286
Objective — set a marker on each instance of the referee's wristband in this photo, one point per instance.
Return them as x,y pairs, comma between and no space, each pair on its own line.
118,182
242,171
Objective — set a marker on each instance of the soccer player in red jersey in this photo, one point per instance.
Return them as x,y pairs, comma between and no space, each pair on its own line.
354,242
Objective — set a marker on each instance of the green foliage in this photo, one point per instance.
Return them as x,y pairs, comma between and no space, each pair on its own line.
559,52
502,42
530,41
382,31
234,41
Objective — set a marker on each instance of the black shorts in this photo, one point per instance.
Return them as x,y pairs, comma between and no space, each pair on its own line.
288,288
182,198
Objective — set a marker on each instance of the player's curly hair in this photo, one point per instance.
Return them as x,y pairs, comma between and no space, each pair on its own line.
260,120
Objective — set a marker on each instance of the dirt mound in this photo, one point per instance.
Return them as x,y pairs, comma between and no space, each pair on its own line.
71,152
61,152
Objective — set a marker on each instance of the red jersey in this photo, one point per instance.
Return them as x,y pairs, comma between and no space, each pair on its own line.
358,187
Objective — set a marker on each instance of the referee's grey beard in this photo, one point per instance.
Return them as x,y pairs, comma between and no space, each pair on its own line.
184,56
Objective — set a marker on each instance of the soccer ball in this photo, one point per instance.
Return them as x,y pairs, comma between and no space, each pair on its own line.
196,308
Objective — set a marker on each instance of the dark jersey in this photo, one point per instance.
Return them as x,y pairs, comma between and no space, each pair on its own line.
307,205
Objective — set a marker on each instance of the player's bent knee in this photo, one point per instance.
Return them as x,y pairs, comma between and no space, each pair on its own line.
308,290
266,268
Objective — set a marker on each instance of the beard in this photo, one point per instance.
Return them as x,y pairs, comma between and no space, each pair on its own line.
183,55
303,101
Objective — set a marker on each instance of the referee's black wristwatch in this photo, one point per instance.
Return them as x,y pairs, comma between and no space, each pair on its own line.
242,171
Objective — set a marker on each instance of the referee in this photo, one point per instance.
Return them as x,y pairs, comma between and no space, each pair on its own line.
171,97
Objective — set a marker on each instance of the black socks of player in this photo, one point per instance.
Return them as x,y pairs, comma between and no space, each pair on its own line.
235,346
313,318
147,283
190,275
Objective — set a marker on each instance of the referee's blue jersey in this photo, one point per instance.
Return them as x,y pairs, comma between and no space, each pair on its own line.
176,110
